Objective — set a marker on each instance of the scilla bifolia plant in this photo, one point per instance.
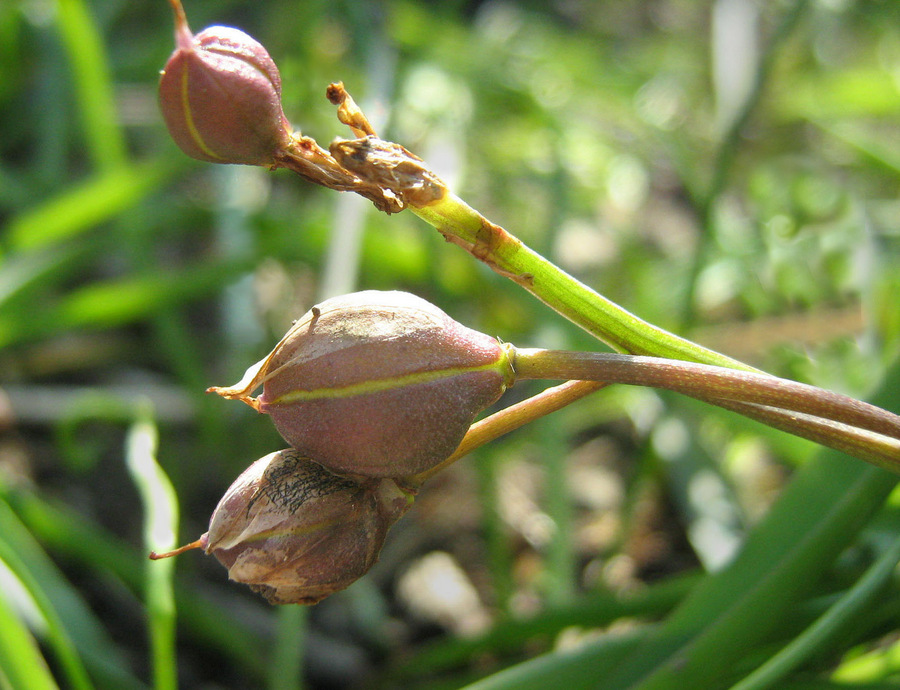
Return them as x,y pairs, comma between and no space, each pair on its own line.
374,391
377,391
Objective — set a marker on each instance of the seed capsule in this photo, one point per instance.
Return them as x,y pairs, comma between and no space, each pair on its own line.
376,384
296,533
220,95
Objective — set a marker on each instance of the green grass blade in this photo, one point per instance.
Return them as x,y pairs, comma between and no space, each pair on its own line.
80,208
510,636
499,550
286,665
93,85
878,664
812,639
21,663
116,302
580,668
77,625
24,559
67,533
121,301
560,566
160,528
21,270
741,606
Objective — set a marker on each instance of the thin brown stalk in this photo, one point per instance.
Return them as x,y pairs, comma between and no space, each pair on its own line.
710,382
511,418
880,450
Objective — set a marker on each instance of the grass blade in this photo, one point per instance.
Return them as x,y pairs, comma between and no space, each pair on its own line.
812,639
80,208
160,527
21,663
286,668
93,85
27,562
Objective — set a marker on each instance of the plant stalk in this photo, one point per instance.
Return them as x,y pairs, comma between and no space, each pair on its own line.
394,179
866,431
375,163
460,224
511,418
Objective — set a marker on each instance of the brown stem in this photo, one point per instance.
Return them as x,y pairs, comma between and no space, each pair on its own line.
183,37
708,381
877,449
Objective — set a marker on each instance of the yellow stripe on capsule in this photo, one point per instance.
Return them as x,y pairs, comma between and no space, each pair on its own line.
189,120
379,385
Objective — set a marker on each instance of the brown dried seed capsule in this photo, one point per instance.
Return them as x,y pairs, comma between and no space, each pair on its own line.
376,384
295,532
220,95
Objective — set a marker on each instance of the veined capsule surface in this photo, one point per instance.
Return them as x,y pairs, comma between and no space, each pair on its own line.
220,96
295,532
376,384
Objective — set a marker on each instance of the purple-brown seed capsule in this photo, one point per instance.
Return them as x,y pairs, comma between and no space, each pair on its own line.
376,384
220,95
295,533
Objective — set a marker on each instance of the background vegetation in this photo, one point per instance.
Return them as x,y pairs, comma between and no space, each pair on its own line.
726,170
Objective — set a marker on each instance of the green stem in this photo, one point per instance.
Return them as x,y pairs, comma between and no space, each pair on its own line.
394,179
461,224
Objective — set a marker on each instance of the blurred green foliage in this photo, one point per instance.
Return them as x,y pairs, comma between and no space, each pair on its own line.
729,171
